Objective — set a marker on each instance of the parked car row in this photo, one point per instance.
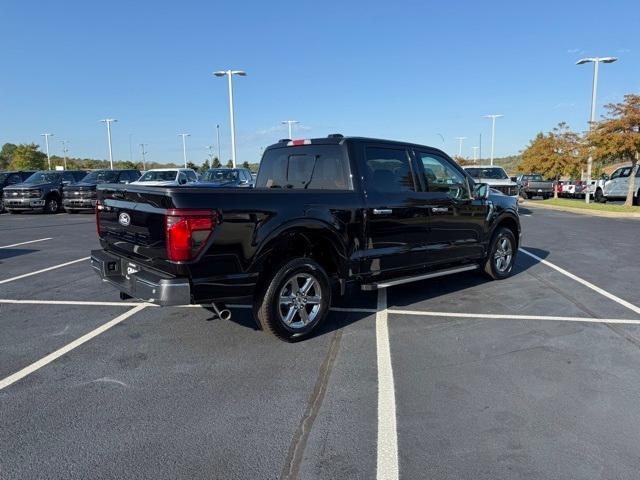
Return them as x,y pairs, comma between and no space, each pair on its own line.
75,190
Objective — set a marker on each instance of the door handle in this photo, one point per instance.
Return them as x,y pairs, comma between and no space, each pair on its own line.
382,211
439,209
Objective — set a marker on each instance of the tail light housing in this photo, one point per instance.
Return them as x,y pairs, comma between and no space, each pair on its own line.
98,208
187,232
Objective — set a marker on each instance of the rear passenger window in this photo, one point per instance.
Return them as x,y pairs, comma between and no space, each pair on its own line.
321,167
389,170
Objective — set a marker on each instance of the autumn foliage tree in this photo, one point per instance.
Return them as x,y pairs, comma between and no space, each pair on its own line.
28,157
554,154
617,137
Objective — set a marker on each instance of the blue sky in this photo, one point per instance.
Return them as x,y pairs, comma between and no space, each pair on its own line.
402,70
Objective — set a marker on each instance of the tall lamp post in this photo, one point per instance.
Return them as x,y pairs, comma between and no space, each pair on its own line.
475,154
218,140
108,122
290,123
493,132
65,150
460,139
229,74
46,141
184,146
144,153
594,89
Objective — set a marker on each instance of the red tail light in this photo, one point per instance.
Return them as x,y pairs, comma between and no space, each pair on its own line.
187,232
98,208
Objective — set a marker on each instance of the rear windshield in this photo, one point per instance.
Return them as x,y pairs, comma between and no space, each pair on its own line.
533,178
309,167
102,176
164,176
43,177
491,173
220,175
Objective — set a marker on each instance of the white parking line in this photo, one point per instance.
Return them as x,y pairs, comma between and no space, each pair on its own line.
587,284
67,348
387,455
13,279
492,316
25,243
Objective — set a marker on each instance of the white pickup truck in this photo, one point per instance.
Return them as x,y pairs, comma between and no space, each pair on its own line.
617,186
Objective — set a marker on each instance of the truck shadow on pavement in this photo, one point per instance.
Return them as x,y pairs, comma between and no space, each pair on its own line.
6,253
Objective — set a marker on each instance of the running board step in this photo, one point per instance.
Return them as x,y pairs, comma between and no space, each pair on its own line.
399,281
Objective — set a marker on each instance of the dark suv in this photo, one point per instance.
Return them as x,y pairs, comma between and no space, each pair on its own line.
12,178
41,191
82,195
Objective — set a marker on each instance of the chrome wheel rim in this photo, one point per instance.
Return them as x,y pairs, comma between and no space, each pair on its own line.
503,255
53,205
300,301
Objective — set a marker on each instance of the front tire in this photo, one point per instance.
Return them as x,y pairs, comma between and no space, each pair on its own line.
502,255
599,196
52,205
294,300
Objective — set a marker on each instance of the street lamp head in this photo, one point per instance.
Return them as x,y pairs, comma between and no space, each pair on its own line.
582,61
493,116
608,59
220,73
241,73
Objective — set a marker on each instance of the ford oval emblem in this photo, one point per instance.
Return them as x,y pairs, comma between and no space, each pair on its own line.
124,219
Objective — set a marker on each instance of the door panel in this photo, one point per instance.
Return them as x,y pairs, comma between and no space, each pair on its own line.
397,222
456,221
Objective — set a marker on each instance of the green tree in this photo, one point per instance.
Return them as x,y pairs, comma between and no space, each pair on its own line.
617,137
6,154
28,157
192,166
215,163
230,164
206,165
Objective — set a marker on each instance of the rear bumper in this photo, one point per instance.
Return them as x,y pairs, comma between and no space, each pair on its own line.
150,287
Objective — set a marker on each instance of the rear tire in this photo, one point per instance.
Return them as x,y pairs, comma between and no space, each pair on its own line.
293,300
599,196
502,255
636,201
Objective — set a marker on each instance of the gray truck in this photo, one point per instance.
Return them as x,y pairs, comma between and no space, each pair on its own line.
533,185
42,191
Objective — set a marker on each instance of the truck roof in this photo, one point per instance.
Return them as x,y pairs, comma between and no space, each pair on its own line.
337,138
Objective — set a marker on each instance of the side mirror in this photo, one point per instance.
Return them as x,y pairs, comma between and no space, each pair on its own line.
481,191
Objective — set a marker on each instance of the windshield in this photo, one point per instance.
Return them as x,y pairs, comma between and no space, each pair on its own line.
101,176
159,176
220,175
493,173
533,178
43,177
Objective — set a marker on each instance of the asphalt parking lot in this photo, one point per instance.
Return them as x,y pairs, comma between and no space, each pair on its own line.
537,376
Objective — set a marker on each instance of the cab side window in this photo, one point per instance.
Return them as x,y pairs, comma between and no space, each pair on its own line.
13,179
68,177
191,176
182,178
389,170
440,176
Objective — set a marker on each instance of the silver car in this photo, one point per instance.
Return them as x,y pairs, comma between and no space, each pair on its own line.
617,186
495,177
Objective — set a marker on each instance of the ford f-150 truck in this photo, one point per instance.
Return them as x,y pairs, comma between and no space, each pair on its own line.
533,185
325,213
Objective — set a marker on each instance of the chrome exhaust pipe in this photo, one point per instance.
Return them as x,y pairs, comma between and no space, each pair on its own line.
224,314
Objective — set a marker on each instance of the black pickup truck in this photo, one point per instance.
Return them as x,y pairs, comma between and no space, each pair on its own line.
325,213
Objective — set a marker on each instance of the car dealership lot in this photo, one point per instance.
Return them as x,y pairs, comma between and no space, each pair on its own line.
449,378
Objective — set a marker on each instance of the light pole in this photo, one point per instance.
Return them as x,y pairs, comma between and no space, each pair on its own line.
460,139
108,122
46,141
65,149
144,152
229,74
475,154
594,89
290,123
493,132
218,140
184,146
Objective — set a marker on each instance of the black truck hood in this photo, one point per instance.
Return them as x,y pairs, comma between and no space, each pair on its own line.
82,186
29,186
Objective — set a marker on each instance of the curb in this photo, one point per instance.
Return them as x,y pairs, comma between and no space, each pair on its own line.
583,211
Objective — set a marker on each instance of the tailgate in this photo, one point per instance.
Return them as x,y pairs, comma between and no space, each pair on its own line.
132,221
